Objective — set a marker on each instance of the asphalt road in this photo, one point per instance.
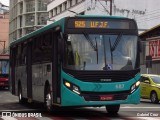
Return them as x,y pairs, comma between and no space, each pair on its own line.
143,111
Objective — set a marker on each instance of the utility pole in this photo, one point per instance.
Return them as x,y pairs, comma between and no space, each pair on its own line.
110,7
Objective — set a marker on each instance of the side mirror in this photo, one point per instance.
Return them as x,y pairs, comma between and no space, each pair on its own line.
147,81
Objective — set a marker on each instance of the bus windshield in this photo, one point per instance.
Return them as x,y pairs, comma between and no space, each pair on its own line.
101,51
4,67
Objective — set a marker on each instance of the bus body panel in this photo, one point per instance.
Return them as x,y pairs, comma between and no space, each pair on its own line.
39,77
100,87
70,98
21,78
42,72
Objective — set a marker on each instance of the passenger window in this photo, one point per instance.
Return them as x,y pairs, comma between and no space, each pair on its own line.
24,54
47,47
18,55
48,68
37,51
142,79
42,48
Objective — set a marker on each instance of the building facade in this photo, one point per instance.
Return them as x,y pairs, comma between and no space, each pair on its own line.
3,8
151,47
4,28
64,8
145,12
26,16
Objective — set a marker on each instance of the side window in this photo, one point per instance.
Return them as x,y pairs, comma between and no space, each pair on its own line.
18,54
141,79
36,48
145,80
13,53
42,48
47,47
24,54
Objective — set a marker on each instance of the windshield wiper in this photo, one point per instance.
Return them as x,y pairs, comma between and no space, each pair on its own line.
116,42
111,50
91,43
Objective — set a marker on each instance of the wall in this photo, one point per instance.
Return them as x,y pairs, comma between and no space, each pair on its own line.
145,12
4,31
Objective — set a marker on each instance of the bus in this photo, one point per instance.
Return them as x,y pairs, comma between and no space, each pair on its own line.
4,71
78,61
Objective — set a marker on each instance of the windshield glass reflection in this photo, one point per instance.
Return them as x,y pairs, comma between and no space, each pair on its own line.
156,79
100,52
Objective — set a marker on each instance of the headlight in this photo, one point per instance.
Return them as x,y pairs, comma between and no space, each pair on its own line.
72,87
76,89
67,84
135,86
138,83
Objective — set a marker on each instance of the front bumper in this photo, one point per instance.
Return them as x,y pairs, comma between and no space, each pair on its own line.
72,99
91,93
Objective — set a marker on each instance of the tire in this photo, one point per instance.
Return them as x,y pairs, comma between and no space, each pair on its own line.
112,109
153,97
21,99
48,99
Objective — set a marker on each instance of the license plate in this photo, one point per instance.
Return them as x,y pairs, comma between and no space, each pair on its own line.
106,97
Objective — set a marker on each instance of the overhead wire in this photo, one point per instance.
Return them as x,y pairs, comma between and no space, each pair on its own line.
139,18
149,16
150,13
104,7
144,17
153,18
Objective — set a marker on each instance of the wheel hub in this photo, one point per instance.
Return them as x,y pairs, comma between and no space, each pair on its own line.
48,100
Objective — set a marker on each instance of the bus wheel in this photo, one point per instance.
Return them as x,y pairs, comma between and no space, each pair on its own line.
48,103
21,99
113,109
154,98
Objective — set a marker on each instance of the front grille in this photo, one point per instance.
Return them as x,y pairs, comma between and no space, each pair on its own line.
102,76
92,96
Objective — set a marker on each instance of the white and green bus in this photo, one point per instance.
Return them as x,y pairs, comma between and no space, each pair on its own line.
78,61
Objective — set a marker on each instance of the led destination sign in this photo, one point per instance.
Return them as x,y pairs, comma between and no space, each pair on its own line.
90,24
100,24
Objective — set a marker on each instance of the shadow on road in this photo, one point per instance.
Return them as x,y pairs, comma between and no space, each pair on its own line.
80,113
148,101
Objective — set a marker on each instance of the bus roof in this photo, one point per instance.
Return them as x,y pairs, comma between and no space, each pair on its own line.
47,27
59,23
